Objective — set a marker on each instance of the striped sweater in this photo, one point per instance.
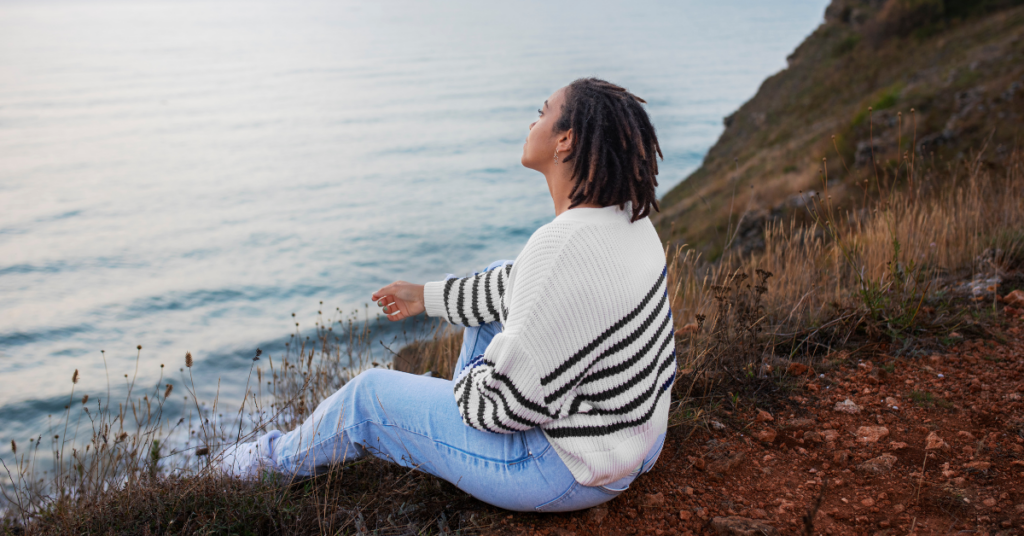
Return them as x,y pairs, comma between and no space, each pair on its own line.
587,349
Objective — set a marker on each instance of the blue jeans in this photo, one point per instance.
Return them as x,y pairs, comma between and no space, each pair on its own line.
413,421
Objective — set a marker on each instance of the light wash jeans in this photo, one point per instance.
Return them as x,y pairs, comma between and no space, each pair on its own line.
414,421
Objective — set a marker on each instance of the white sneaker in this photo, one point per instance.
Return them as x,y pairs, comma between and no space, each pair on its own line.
248,460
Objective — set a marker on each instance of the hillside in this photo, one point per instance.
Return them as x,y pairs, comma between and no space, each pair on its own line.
945,78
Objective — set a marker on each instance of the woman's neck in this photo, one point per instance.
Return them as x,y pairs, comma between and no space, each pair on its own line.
559,179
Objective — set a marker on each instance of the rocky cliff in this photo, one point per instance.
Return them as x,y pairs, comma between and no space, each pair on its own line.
879,85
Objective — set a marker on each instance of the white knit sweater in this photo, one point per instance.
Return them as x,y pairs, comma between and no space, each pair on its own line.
587,349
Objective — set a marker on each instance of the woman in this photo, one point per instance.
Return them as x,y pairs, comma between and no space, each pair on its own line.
561,392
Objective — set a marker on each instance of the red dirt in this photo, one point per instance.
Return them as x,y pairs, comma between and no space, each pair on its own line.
973,484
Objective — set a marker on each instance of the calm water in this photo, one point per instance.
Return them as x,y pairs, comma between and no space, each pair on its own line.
185,175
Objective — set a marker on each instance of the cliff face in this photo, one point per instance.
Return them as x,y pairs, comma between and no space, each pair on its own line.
944,79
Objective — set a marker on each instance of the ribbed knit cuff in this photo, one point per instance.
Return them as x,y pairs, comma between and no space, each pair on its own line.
433,299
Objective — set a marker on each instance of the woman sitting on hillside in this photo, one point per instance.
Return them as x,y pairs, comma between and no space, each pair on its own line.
561,391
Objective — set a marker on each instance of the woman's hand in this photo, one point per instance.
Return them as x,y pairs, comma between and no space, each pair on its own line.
400,300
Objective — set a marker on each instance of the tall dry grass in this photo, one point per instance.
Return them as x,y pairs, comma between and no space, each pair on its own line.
884,271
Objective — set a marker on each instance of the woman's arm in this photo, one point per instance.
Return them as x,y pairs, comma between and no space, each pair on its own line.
467,301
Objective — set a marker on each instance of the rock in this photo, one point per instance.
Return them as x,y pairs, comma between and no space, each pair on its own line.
871,434
830,435
892,402
897,445
767,435
654,499
989,502
757,513
979,466
869,502
813,437
741,526
1014,299
597,515
847,406
763,416
685,515
878,466
841,457
966,436
934,442
797,369
725,465
717,425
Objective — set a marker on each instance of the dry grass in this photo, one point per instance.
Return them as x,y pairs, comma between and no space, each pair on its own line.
887,278
887,273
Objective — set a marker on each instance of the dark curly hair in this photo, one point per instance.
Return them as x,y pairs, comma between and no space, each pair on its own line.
613,155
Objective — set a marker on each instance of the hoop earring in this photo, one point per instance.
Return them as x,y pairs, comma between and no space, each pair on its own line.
556,156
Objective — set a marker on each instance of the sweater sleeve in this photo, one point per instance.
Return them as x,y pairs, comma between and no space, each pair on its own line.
501,390
469,301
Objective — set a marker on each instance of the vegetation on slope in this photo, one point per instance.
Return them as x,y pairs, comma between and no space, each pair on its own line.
876,84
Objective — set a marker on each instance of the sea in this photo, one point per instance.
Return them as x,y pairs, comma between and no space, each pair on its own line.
185,175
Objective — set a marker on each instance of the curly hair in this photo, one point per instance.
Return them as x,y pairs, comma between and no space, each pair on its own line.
613,155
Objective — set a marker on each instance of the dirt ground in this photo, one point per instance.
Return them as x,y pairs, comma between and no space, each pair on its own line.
933,445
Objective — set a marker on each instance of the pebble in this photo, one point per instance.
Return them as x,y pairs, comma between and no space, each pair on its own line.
934,442
880,465
654,499
871,434
847,406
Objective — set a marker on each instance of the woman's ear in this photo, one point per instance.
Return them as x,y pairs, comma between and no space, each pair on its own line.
565,142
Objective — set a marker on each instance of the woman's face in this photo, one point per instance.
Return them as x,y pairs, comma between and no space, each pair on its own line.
541,142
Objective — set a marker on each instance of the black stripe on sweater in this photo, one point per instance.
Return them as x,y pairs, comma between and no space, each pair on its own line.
460,301
464,399
641,399
494,413
475,304
578,356
630,339
487,295
447,292
504,408
616,369
641,376
520,398
590,431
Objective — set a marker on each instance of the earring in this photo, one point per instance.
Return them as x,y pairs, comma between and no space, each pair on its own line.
556,156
